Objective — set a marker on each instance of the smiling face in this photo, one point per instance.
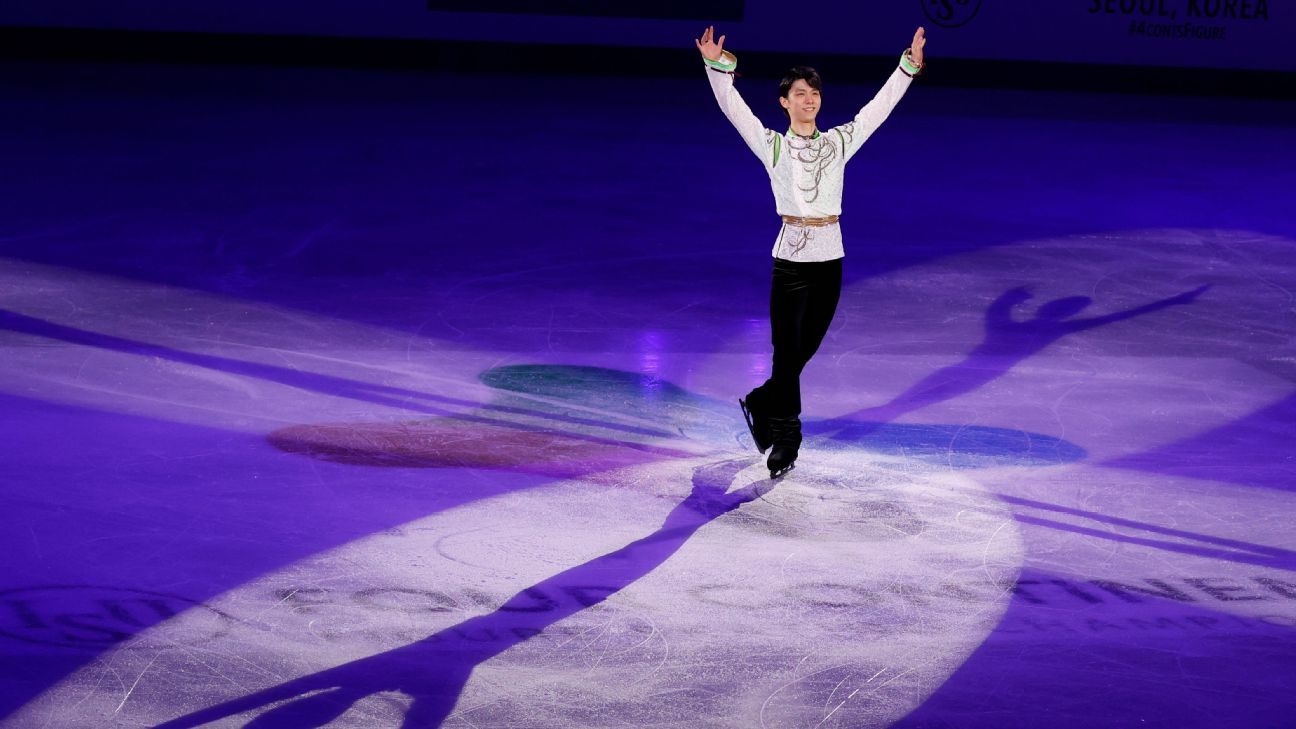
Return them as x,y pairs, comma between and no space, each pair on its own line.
800,95
801,102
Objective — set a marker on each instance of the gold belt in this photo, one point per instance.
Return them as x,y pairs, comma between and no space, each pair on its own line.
810,222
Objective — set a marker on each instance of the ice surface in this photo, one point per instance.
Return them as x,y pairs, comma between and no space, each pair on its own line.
288,443
845,594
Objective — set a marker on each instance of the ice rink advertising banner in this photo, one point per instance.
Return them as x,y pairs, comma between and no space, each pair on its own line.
1235,34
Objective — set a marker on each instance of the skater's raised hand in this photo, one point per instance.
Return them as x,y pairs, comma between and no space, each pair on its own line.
708,46
915,48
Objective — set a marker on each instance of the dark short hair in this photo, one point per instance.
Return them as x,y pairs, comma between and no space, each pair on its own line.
799,73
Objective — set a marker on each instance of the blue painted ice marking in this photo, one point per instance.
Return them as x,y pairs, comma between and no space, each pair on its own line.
648,397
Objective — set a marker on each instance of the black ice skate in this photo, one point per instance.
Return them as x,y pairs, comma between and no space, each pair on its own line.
786,435
757,422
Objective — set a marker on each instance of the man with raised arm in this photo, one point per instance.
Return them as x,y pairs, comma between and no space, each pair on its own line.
805,168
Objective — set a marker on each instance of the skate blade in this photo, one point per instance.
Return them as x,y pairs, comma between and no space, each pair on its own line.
751,427
782,471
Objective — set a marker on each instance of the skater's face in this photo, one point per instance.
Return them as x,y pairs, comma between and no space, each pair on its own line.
802,102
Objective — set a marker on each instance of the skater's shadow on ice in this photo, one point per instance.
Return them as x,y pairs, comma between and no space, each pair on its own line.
1096,525
400,398
1006,343
432,672
1253,450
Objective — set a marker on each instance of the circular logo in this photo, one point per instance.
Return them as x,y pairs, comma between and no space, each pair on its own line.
951,13
93,617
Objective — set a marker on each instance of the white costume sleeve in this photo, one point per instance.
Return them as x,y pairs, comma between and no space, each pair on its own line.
857,131
761,141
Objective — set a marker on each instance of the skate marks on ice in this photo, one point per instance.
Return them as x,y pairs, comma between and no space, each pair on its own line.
698,594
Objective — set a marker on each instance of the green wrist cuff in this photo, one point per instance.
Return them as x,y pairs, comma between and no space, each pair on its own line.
727,62
908,65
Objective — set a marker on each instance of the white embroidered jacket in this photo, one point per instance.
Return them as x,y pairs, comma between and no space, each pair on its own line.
806,175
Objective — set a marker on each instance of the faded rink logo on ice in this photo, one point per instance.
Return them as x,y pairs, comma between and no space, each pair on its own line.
94,617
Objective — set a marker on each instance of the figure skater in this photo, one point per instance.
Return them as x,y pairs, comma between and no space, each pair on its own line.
805,168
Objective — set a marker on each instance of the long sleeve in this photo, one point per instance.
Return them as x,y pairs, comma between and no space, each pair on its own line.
857,131
762,142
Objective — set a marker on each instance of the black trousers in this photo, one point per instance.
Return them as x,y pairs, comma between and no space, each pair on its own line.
803,299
